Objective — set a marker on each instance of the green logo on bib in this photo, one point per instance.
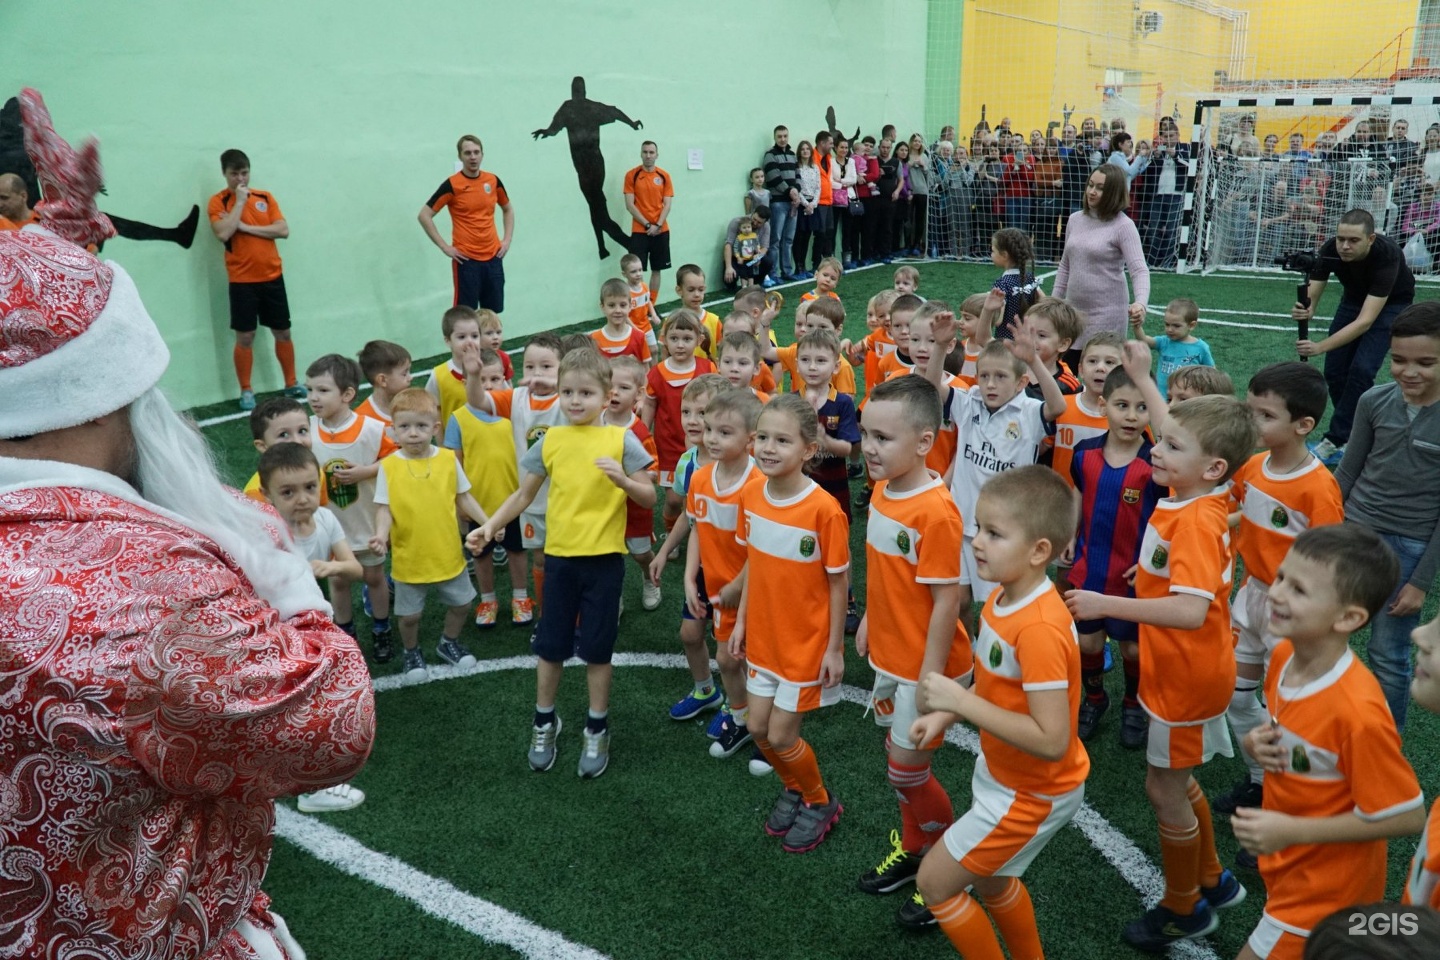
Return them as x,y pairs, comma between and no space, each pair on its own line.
341,494
807,547
902,540
1159,558
1279,519
996,656
1299,759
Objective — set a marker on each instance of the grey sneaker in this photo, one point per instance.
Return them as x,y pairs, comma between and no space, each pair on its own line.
542,745
782,815
454,653
247,399
414,665
812,823
596,755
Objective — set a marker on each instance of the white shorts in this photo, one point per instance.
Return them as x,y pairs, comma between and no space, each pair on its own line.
368,557
980,590
638,546
895,709
1250,616
1270,939
1176,747
794,697
1004,829
409,598
532,530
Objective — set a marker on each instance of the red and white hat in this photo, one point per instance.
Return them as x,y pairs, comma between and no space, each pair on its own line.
75,341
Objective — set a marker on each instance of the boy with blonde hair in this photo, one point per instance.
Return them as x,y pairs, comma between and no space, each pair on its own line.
1084,417
1190,382
664,385
460,327
492,337
824,315
907,280
642,302
627,378
1179,347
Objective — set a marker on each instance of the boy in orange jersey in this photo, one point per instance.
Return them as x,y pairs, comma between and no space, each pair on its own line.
740,362
923,346
877,343
970,345
492,337
912,608
690,288
1279,494
485,446
619,337
1084,416
278,420
1336,783
752,314
642,304
1187,675
1422,885
1055,325
387,366
664,384
1029,779
898,360
827,278
822,315
460,326
1197,381
627,382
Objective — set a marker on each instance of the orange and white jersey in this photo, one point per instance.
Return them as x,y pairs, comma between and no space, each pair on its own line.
1024,647
792,547
640,305
947,441
912,541
631,342
1277,508
1344,757
843,381
1422,885
362,442
968,371
530,417
1187,676
877,346
895,364
1079,422
714,513
368,408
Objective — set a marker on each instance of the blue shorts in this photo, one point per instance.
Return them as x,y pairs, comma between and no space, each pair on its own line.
685,613
581,613
1125,631
480,284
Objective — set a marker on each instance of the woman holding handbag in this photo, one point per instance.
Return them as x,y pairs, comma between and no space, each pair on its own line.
843,178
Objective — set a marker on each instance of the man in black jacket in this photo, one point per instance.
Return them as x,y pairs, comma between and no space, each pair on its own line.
784,186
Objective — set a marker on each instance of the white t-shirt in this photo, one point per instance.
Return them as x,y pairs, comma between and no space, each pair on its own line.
320,545
990,443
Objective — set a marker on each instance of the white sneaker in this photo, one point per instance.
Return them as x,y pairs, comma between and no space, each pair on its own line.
759,766
649,595
342,796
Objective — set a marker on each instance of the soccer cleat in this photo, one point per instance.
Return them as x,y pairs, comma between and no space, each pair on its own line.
1245,793
812,823
1134,727
1323,448
693,704
247,399
855,471
485,613
897,869
783,814
414,665
717,722
542,745
595,757
649,595
342,796
862,499
297,391
499,556
733,736
454,653
914,915
1227,892
1089,720
522,611
852,618
1161,928
759,766
382,645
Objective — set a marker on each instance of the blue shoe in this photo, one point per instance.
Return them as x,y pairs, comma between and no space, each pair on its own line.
717,723
1326,452
851,265
769,282
297,392
1226,893
1160,928
1109,657
247,399
692,706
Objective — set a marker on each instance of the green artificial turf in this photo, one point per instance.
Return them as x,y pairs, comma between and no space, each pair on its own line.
664,856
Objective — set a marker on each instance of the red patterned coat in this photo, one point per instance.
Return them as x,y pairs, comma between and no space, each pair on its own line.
152,707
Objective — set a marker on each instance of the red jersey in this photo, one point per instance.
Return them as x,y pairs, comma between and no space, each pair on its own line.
665,386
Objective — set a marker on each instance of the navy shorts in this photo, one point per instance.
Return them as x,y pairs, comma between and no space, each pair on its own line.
654,252
583,591
510,539
480,284
252,304
1125,631
685,613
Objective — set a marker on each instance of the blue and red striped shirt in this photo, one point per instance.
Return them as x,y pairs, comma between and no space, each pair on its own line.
1115,506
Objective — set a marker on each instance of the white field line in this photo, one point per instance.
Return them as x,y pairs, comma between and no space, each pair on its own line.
1160,311
1129,860
488,921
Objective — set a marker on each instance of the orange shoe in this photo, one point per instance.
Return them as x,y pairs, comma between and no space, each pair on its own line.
522,611
485,613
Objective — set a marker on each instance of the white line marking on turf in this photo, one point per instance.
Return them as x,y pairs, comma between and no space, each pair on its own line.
1119,850
486,920
1160,311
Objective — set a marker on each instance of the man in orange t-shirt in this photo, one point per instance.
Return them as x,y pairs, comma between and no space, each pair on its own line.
15,209
649,192
249,222
477,252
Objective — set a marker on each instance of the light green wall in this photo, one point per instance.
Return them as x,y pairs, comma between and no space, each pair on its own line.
350,112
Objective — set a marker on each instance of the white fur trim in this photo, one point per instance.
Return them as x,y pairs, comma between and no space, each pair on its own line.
102,370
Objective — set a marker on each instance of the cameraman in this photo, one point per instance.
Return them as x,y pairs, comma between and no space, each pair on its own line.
1377,286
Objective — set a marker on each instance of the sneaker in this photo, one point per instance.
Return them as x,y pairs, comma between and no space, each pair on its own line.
1323,448
769,282
855,471
1227,892
414,665
1160,928
1090,714
732,737
692,705
342,796
499,556
649,595
717,722
783,814
1245,793
522,611
595,757
485,613
759,766
812,823
1134,728
454,653
382,645
297,391
542,745
897,869
852,618
914,915
247,399
862,499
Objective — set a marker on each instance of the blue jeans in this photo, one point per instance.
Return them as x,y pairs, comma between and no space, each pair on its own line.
1350,370
1390,636
782,236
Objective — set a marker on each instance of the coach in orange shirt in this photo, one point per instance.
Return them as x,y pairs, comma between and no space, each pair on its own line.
477,251
649,192
249,222
15,209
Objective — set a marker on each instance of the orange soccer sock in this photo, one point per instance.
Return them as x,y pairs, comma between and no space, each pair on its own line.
244,363
965,923
925,809
800,761
1210,868
538,570
1014,914
781,769
285,353
1180,858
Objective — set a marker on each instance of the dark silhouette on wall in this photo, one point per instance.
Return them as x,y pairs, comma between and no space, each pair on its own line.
835,133
581,118
14,159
